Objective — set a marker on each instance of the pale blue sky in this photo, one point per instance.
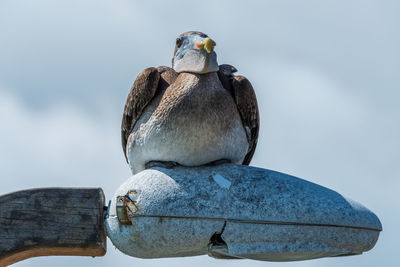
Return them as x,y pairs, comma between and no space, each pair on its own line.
326,74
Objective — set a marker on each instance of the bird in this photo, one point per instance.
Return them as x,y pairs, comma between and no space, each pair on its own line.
195,113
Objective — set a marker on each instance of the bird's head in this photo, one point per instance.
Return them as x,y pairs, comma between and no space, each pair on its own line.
194,52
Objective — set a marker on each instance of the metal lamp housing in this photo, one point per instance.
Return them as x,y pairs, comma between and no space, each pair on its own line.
236,211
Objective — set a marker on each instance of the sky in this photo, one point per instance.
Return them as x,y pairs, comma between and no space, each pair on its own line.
326,75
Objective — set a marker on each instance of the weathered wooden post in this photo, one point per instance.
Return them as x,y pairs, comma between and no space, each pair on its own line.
51,221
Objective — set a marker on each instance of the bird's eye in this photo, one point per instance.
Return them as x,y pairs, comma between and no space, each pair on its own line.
179,42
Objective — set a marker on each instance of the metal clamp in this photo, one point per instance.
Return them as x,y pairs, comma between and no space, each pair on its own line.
126,206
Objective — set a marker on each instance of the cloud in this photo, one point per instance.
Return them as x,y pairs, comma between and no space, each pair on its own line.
90,52
326,78
65,146
318,129
61,146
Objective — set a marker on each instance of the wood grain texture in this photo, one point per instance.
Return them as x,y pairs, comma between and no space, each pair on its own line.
51,221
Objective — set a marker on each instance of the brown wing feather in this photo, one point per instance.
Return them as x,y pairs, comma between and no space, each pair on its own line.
246,102
147,84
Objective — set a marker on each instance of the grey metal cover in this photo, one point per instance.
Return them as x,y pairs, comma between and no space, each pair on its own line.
237,211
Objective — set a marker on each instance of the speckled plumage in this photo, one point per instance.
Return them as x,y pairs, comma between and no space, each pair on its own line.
189,118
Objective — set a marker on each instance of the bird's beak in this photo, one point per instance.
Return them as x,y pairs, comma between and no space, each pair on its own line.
209,44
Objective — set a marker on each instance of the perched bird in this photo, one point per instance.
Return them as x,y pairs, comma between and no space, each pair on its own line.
192,114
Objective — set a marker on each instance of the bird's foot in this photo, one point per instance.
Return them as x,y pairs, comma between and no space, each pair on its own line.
162,164
172,164
218,162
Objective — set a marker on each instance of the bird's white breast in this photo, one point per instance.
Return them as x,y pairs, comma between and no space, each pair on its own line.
194,122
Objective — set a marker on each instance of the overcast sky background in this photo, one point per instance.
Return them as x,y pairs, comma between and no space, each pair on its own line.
326,74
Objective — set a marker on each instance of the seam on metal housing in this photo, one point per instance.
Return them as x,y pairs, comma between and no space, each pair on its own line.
255,222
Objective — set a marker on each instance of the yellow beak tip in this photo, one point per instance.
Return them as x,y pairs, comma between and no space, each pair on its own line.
208,44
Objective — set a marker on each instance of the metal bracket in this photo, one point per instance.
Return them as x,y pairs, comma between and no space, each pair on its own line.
126,206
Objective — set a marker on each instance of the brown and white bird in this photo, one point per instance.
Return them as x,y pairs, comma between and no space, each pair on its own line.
192,114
